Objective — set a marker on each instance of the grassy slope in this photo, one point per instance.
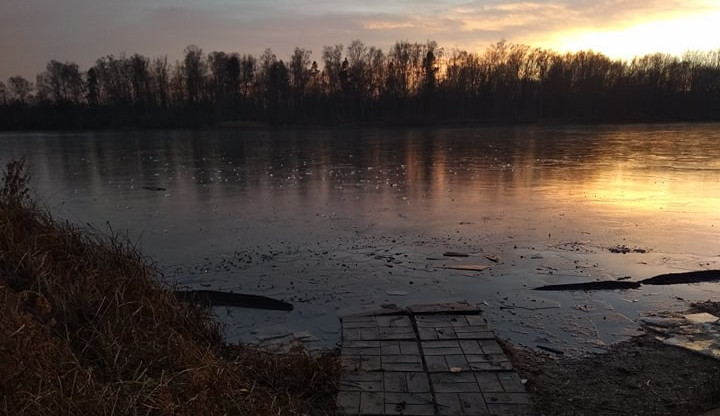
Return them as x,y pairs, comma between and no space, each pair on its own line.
88,328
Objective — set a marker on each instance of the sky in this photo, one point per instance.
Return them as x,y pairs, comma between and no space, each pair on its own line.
32,32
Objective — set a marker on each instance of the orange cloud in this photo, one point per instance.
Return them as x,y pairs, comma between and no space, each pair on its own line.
509,15
386,25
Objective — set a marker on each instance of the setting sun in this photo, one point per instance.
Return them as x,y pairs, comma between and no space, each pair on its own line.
667,35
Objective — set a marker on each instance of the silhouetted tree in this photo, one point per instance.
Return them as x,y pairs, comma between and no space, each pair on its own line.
92,88
358,78
194,68
219,77
332,58
278,91
248,67
19,89
299,76
178,92
315,82
430,70
62,82
3,94
415,82
377,72
114,79
274,80
141,93
160,79
232,77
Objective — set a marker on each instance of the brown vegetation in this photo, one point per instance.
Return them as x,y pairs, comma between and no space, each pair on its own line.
87,328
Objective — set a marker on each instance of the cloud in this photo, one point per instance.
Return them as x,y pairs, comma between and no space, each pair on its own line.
513,16
541,22
387,25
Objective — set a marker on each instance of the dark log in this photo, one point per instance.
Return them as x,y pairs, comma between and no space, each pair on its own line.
218,298
154,188
688,277
455,254
663,279
602,285
550,349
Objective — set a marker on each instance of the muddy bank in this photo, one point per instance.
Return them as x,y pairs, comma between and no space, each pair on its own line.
640,377
87,328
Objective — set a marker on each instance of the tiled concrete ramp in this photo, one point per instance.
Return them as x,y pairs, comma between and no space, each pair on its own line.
426,360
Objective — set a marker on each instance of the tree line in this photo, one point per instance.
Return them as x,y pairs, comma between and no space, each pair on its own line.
409,83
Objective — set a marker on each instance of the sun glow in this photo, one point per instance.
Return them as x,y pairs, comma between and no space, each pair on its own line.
674,36
628,189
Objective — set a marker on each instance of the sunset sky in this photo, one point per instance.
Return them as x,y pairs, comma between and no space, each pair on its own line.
32,32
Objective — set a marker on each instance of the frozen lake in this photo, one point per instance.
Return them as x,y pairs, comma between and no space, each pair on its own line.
345,220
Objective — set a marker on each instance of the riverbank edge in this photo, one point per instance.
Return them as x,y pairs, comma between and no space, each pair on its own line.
89,328
641,376
400,124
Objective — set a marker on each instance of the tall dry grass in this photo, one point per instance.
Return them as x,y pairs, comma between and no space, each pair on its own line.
87,328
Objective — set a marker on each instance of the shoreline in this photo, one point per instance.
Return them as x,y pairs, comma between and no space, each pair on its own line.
63,325
465,123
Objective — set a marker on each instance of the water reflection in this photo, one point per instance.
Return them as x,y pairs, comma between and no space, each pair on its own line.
622,175
328,208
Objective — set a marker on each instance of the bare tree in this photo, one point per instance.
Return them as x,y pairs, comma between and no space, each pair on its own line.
114,78
412,81
332,59
160,78
178,91
377,72
142,94
3,94
93,93
62,82
248,69
20,90
217,62
299,74
232,76
195,69
430,68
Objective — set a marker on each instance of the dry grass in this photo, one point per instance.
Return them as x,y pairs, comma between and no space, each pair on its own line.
88,328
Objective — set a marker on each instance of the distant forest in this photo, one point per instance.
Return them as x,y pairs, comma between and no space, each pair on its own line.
411,83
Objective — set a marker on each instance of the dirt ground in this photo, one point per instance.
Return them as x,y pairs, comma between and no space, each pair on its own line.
641,376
